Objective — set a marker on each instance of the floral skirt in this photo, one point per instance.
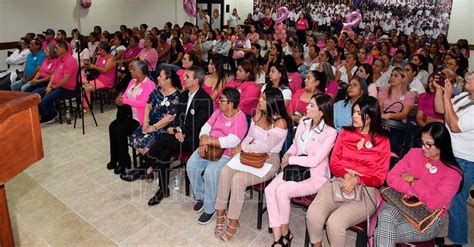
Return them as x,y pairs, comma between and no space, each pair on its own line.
143,142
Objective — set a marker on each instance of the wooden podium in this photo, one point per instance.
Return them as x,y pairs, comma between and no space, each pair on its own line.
20,146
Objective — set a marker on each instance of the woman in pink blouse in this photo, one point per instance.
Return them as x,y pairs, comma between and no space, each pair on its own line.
432,175
396,101
315,83
267,133
313,141
130,115
426,113
253,36
149,53
245,83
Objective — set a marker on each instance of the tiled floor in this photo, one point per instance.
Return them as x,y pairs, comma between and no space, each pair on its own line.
69,198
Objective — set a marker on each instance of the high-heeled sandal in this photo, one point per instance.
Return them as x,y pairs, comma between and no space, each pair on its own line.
219,227
224,237
279,242
288,237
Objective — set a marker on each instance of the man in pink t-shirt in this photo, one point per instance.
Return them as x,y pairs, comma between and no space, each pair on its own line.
62,83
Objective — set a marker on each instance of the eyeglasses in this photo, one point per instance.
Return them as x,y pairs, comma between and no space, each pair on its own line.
224,101
426,145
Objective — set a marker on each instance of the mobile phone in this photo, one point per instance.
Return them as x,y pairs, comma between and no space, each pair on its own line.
440,79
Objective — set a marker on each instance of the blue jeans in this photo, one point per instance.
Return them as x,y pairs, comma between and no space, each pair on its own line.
458,225
206,191
19,86
46,107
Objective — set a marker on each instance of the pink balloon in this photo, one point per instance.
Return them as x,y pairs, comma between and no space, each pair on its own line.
353,20
189,7
86,3
282,14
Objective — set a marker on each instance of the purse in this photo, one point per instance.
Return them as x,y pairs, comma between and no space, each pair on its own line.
213,153
339,196
411,208
296,173
256,160
92,74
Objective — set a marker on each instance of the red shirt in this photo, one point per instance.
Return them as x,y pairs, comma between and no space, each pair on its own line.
66,65
371,162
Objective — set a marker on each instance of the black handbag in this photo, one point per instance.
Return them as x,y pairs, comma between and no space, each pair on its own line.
296,173
92,74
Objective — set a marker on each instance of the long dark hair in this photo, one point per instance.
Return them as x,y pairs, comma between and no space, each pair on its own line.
369,107
321,77
363,88
275,105
218,62
442,141
283,84
369,71
325,104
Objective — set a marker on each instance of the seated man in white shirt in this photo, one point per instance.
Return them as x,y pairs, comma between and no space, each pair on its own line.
16,62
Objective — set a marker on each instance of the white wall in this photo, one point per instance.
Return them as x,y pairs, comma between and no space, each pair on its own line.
461,24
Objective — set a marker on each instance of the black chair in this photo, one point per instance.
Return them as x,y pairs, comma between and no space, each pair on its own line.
401,137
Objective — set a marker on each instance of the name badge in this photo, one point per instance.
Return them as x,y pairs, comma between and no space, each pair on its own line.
227,124
104,62
34,58
368,145
192,111
49,66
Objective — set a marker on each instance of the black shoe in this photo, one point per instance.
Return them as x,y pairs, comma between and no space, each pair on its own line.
440,242
159,195
199,206
205,218
119,170
132,175
111,165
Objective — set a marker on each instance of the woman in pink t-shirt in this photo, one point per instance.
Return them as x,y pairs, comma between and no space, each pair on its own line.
314,83
105,65
426,113
332,87
301,27
253,36
396,101
215,80
41,79
225,129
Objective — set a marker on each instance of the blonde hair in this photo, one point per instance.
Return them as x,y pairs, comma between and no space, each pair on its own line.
404,81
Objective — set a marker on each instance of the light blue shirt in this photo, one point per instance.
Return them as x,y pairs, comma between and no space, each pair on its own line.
33,61
342,114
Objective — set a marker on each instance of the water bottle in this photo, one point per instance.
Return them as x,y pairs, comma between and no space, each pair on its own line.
68,117
176,183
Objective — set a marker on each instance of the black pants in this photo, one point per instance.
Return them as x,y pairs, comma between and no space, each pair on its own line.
119,130
5,83
159,156
301,34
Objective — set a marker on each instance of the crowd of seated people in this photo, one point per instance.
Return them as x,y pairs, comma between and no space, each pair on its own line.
319,99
